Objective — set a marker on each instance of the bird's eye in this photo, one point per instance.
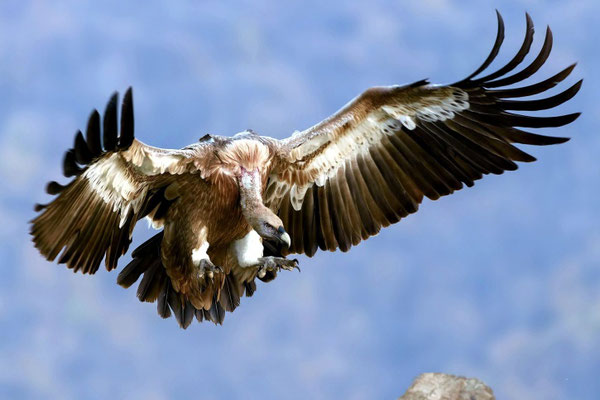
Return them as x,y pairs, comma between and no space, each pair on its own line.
269,227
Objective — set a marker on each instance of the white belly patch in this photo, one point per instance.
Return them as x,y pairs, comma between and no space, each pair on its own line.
248,249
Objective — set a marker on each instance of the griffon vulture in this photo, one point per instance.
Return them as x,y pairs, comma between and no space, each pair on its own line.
231,209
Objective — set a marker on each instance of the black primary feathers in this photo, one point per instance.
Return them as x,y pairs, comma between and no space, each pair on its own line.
435,158
85,151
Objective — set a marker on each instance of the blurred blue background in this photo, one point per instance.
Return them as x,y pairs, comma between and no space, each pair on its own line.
500,281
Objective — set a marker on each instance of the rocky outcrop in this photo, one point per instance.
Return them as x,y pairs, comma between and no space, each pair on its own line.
435,386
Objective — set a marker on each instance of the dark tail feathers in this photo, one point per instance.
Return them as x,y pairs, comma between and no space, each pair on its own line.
156,286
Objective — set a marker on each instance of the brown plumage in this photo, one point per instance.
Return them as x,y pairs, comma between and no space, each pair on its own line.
230,209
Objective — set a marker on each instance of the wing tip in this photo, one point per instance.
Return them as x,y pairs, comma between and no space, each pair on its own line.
493,52
127,121
499,17
110,123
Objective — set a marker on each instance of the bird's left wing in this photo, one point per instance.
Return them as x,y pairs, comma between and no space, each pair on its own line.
372,162
117,180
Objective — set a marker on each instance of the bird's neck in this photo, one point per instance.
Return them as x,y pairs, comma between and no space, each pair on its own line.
251,202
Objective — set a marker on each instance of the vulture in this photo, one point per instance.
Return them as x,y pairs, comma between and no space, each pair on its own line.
229,210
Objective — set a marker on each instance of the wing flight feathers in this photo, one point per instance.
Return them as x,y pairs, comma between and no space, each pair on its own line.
371,163
118,180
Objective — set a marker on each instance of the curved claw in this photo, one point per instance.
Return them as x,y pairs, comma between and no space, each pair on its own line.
293,264
296,264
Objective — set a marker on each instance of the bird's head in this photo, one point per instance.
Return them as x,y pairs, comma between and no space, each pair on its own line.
269,227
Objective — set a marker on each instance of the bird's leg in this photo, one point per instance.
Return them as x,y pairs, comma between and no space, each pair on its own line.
275,264
206,269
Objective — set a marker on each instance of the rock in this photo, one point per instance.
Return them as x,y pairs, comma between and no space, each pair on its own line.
435,386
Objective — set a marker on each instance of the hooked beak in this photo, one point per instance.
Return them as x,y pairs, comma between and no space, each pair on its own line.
284,238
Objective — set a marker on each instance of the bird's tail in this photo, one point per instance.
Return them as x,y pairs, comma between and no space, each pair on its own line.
156,285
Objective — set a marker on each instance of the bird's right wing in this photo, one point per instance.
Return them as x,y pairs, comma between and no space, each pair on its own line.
118,180
372,163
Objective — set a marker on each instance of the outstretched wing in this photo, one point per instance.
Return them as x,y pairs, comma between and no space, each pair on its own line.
371,163
118,180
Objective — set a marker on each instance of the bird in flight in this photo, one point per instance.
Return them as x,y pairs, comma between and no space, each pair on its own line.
231,209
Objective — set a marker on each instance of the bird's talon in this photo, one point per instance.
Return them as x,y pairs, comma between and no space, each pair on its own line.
207,271
276,264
